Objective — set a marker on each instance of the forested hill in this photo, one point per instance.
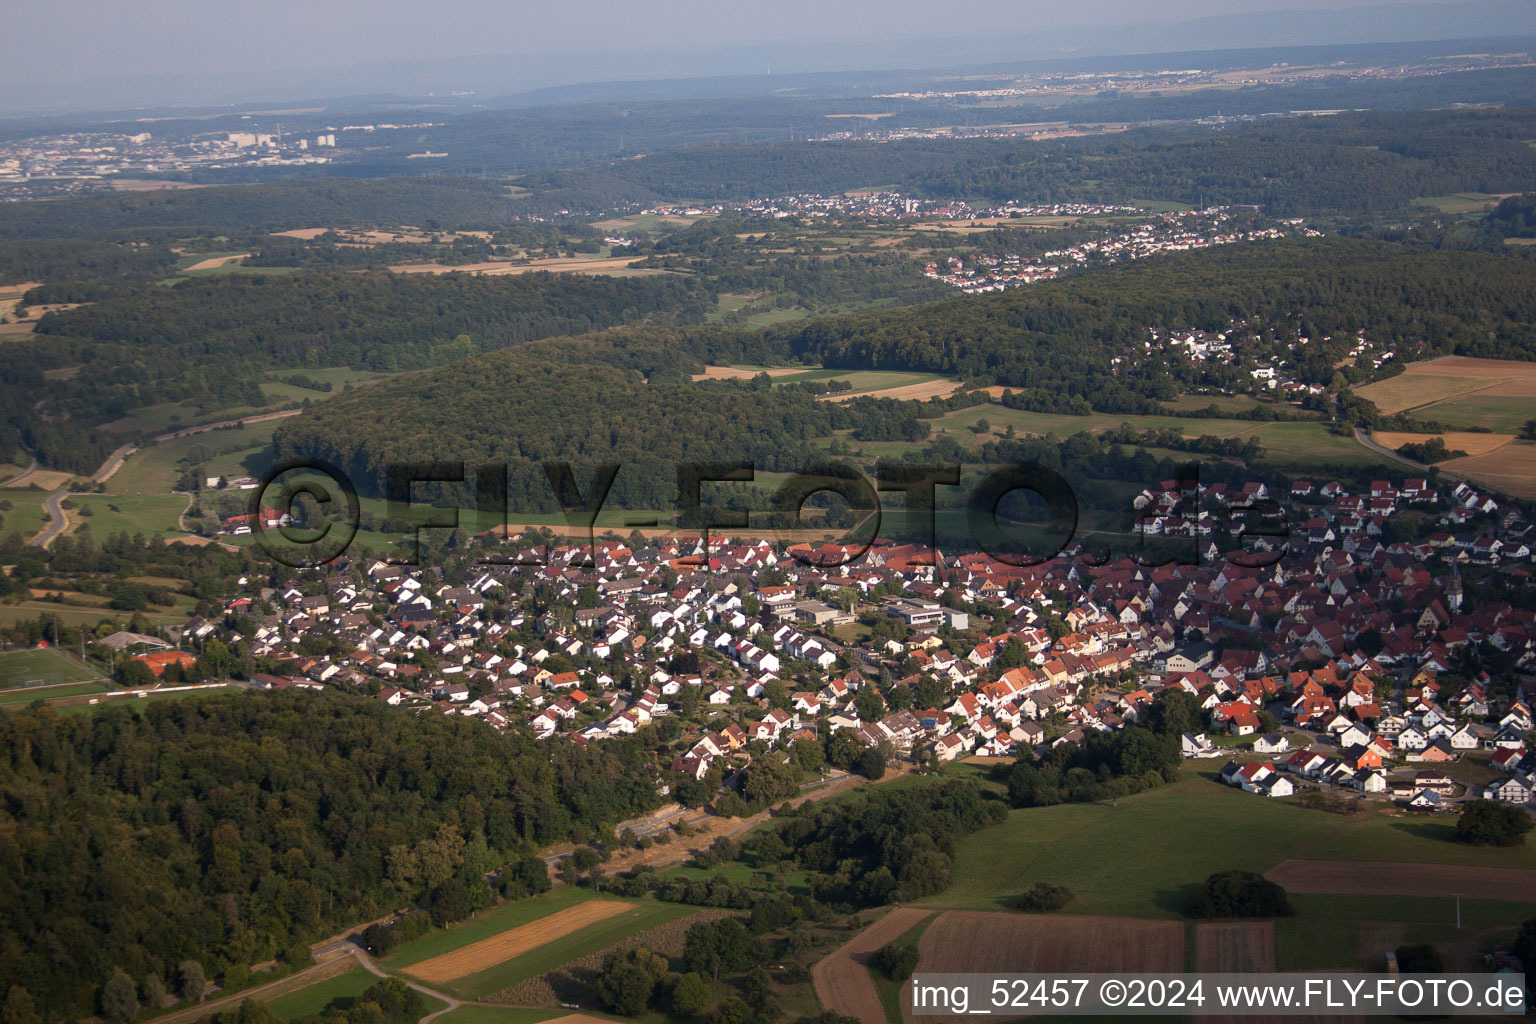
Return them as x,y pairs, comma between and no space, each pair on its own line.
511,406
1054,341
1072,346
213,337
429,203
227,829
1357,163
376,321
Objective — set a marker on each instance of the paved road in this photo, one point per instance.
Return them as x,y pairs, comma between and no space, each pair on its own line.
18,476
327,956
242,421
57,520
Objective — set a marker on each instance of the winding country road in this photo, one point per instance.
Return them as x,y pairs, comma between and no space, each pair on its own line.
53,504
325,968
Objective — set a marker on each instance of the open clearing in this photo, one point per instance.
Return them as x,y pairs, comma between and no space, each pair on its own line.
516,941
215,262
1393,879
619,265
842,981
919,392
1511,469
746,372
1473,444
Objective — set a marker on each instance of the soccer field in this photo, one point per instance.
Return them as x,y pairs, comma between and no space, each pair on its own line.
39,667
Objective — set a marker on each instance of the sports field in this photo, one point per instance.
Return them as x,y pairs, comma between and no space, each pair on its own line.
39,667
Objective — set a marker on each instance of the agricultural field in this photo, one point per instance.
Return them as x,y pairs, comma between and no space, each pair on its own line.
314,999
515,941
135,704
1001,942
1511,468
1474,444
40,667
1482,409
842,982
1075,845
1435,381
1463,202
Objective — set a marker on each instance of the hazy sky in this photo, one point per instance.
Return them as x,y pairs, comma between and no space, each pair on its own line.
59,41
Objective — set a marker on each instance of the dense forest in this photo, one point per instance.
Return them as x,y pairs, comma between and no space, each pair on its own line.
511,407
227,830
427,203
1071,346
1416,298
213,337
1356,163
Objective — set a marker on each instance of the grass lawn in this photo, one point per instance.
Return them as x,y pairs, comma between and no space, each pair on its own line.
1125,859
25,696
571,947
40,666
10,614
136,704
25,516
482,926
108,514
313,999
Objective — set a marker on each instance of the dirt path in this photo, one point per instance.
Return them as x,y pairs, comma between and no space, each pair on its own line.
842,981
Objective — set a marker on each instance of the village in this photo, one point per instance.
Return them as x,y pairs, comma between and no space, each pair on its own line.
1353,664
990,272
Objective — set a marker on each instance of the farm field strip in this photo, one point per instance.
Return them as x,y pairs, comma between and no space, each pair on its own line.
515,942
1003,942
842,981
1474,444
1386,878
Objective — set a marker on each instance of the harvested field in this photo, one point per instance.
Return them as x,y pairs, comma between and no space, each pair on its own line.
47,479
984,941
745,373
1242,947
1235,947
842,981
1512,468
988,941
1409,391
1473,444
214,262
1521,388
1438,379
610,265
304,234
919,392
1386,878
477,956
1469,366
